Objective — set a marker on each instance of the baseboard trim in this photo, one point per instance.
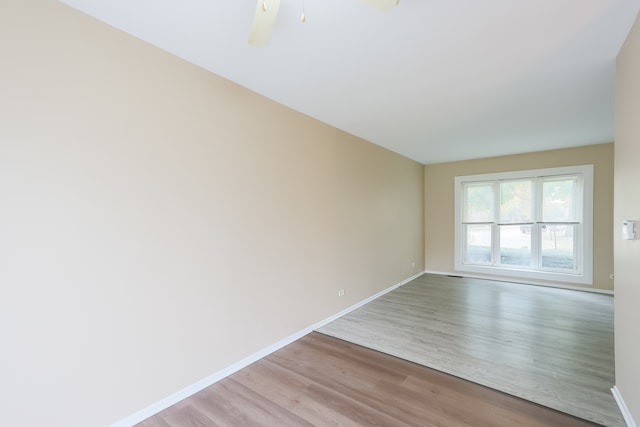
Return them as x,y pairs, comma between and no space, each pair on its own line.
623,407
212,379
524,282
363,302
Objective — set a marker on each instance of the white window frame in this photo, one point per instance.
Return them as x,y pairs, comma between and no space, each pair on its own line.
584,254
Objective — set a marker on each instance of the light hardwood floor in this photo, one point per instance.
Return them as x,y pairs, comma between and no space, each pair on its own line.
323,381
550,346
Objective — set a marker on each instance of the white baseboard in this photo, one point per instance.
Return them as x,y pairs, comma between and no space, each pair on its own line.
363,302
212,379
623,407
524,282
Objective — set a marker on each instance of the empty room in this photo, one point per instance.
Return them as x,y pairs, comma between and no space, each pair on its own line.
337,212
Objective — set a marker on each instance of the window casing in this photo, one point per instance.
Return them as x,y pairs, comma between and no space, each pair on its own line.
535,224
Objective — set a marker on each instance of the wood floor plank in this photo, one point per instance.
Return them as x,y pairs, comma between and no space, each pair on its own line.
550,346
233,404
292,391
189,416
343,384
156,421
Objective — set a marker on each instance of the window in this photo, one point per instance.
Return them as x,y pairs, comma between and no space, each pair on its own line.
535,224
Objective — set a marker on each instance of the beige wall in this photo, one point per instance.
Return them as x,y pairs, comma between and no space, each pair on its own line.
439,202
159,223
627,206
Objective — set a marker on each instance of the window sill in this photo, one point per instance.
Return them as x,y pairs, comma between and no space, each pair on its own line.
583,279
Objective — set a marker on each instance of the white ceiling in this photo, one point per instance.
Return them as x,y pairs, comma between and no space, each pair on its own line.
433,80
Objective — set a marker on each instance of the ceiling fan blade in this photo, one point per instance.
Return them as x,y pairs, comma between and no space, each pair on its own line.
383,5
263,22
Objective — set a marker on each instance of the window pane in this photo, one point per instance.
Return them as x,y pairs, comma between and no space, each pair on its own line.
515,246
558,246
478,249
515,201
479,202
558,202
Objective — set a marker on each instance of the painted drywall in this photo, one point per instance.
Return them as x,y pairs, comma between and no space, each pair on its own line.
159,223
439,202
627,206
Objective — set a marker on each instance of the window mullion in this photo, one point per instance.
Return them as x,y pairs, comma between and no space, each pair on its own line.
536,231
495,228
